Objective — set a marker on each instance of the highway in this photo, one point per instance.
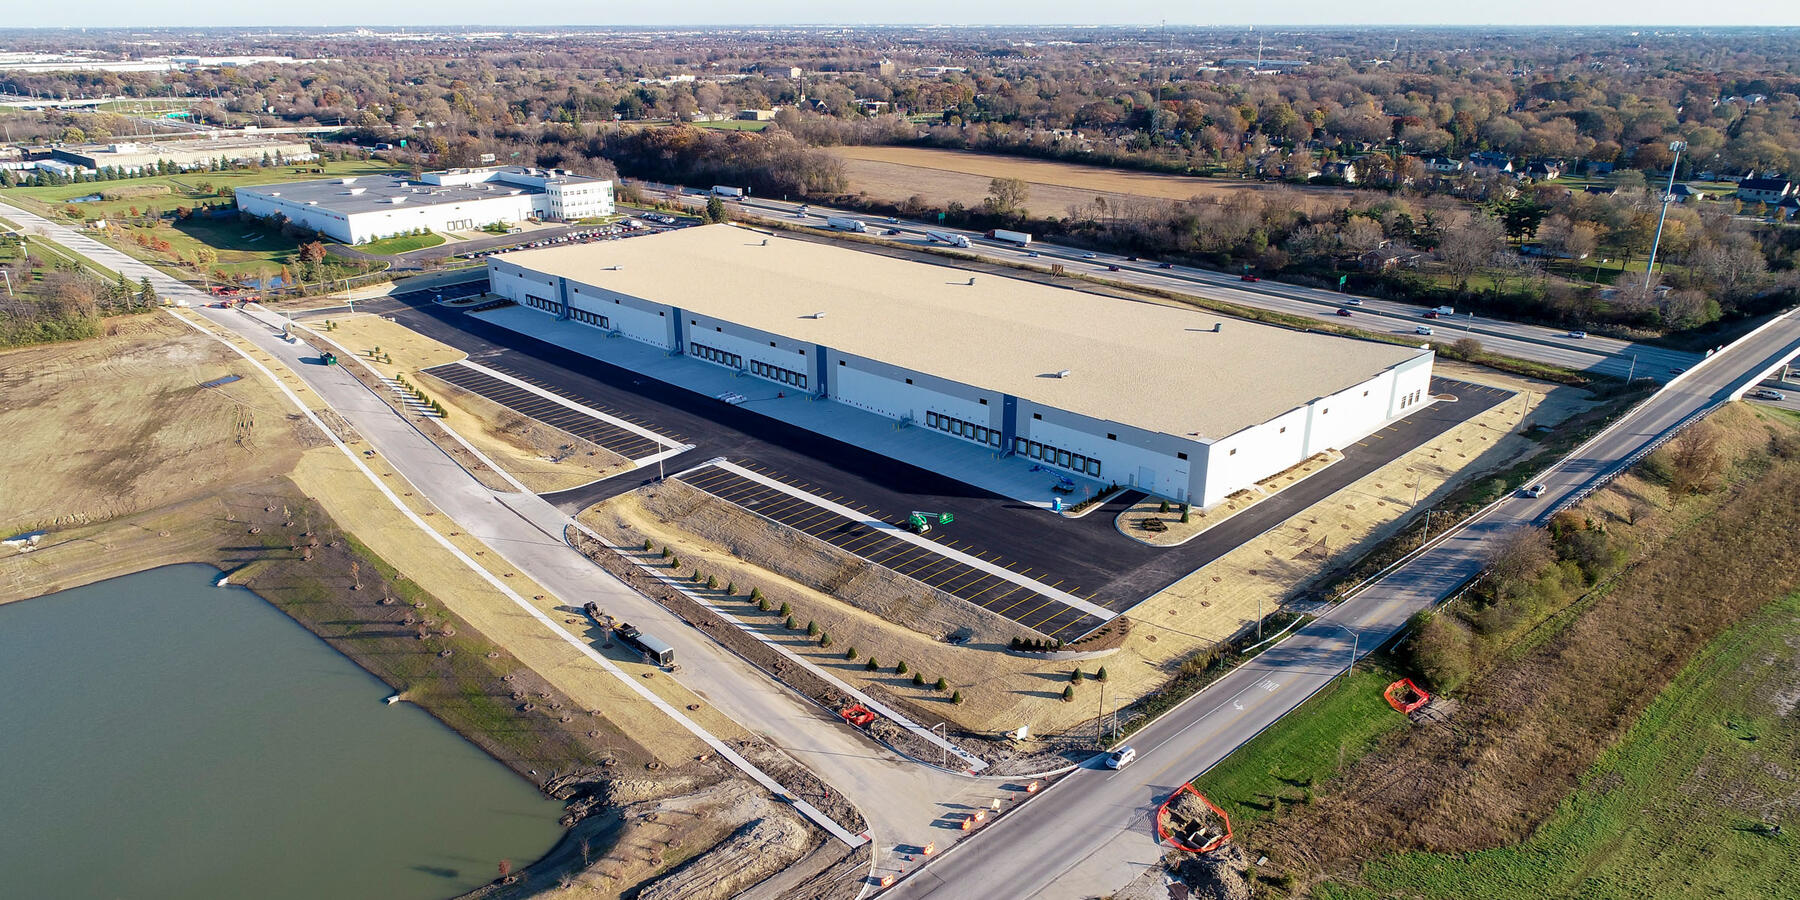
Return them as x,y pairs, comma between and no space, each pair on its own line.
1595,354
1094,831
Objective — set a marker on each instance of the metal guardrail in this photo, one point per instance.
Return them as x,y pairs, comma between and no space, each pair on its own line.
1625,465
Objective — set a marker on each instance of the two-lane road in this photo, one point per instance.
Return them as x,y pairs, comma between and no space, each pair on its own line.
1094,831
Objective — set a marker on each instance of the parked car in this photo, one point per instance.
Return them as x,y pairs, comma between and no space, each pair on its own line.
1766,394
1343,312
1422,329
1535,491
1120,758
1249,277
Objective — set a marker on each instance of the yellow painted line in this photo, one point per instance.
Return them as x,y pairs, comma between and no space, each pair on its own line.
1024,618
997,582
1060,630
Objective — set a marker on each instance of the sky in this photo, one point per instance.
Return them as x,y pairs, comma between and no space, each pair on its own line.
946,12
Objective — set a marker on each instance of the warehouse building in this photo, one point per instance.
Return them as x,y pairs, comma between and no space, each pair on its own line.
133,157
1173,401
358,209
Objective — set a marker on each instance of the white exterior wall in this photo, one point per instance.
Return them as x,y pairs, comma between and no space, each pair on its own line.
1349,415
753,346
579,200
882,389
633,318
1253,454
357,228
1411,378
1127,460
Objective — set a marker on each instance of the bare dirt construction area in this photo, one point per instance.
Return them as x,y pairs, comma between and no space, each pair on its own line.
541,457
126,423
940,176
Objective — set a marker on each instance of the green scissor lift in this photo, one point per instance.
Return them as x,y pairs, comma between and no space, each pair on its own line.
921,521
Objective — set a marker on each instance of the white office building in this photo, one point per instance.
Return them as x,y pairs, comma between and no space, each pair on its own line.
361,208
1184,404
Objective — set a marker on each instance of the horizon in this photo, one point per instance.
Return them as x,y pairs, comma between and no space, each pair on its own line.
465,14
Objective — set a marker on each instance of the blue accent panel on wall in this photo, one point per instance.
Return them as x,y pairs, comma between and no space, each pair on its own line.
562,296
1009,423
823,375
677,337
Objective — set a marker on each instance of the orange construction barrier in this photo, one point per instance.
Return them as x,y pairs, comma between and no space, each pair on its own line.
1209,846
1405,696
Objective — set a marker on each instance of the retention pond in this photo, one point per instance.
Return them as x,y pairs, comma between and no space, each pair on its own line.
160,737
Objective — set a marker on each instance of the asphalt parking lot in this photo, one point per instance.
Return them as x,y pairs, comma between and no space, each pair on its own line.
982,587
1115,571
623,441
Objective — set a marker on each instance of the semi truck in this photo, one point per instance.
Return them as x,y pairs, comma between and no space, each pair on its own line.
650,645
729,193
945,237
840,223
1010,237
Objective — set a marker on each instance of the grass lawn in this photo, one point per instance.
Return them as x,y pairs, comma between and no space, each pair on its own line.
1671,812
401,243
735,125
1307,746
184,189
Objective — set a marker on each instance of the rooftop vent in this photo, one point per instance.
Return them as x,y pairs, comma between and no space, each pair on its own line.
817,315
356,191
274,193
399,199
1218,327
1063,373
349,180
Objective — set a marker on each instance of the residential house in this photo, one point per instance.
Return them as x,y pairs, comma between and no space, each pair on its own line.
1389,257
1544,170
1788,209
1340,170
1488,162
1438,165
1685,193
1764,190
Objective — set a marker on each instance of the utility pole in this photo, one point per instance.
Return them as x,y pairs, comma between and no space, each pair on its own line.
1667,197
1633,372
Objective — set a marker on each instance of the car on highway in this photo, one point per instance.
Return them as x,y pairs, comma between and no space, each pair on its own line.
1032,253
1120,758
1343,312
1578,335
1535,491
891,231
1112,268
1089,254
1165,265
1352,301
1431,314
1131,259
1249,277
893,220
1766,394
1422,329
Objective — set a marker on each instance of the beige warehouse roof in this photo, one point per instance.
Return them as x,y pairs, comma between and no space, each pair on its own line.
1155,367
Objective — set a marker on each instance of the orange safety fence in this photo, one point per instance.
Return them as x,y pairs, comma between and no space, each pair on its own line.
1405,696
1209,846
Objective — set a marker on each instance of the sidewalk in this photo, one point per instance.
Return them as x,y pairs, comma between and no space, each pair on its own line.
962,460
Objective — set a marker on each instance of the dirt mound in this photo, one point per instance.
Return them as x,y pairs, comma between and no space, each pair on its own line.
755,851
1219,875
1190,821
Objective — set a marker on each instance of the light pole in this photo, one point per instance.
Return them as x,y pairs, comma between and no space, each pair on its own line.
1667,197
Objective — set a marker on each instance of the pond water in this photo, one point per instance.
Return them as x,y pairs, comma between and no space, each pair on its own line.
160,737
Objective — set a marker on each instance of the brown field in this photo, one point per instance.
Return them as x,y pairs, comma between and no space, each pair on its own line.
1557,699
940,176
82,447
